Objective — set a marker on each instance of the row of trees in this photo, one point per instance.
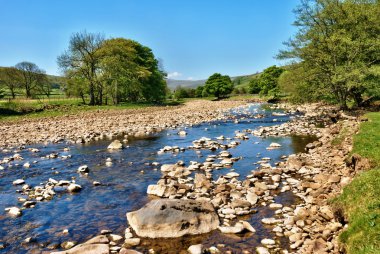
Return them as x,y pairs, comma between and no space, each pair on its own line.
335,53
26,78
117,69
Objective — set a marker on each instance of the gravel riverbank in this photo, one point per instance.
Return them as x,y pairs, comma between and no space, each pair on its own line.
88,126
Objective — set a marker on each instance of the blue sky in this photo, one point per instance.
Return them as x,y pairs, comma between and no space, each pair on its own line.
194,38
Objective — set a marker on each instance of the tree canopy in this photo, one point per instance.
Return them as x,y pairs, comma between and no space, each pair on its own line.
338,45
31,77
218,85
267,82
119,69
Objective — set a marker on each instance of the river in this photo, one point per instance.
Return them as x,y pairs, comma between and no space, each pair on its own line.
124,183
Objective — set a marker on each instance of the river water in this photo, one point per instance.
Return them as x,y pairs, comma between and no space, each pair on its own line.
124,185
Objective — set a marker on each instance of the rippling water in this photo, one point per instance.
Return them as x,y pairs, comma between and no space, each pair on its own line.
124,186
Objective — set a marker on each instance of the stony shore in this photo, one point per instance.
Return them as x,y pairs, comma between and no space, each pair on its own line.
88,126
316,176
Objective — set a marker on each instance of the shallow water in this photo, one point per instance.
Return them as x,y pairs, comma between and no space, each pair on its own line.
124,186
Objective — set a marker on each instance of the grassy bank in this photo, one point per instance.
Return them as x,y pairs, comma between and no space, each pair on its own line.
26,109
360,200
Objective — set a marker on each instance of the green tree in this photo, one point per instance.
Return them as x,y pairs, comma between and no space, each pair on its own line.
76,86
338,42
154,88
267,82
32,77
254,86
181,92
120,71
198,91
11,79
131,72
82,60
218,85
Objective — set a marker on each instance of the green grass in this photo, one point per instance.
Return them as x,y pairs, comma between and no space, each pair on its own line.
243,81
360,199
245,97
367,142
27,109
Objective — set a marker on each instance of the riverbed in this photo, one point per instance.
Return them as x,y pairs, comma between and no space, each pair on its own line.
123,184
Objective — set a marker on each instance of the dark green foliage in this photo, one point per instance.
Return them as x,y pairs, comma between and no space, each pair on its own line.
254,86
198,91
181,93
218,85
267,82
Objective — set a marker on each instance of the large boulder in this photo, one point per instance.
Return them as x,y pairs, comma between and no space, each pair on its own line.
164,218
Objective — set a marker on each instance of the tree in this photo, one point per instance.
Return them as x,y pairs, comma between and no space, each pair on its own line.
82,60
254,86
181,92
218,85
154,88
338,42
198,91
131,71
267,82
77,86
31,77
11,79
120,69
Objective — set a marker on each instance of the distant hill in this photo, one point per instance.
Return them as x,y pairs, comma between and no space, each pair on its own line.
239,81
173,83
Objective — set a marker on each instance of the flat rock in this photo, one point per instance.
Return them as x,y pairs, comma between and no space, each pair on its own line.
18,182
173,218
74,187
115,145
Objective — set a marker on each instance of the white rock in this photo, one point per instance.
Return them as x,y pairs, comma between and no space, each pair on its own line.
14,211
115,145
268,242
270,221
182,133
195,249
262,250
74,187
274,145
18,182
83,169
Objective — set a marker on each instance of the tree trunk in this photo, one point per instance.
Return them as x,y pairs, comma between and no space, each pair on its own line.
92,95
13,94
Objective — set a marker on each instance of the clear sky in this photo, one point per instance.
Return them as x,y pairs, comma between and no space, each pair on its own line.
194,38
